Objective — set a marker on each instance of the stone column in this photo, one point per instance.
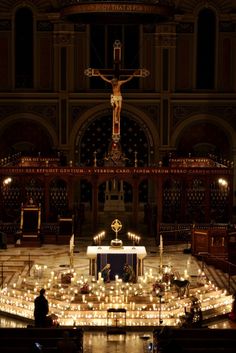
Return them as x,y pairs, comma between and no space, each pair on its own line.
159,192
64,78
135,202
94,203
165,48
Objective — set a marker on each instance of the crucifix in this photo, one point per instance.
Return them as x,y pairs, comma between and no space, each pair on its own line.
113,76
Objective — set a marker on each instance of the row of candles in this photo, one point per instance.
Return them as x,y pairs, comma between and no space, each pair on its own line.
138,299
99,237
134,238
94,313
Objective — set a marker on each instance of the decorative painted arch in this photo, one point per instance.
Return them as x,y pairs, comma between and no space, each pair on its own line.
193,6
9,121
149,128
197,119
40,5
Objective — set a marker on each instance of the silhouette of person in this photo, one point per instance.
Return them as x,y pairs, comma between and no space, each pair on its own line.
41,309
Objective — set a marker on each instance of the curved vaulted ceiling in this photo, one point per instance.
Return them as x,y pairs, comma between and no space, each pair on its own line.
189,5
41,5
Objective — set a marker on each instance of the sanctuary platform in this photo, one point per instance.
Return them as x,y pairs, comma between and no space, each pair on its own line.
78,298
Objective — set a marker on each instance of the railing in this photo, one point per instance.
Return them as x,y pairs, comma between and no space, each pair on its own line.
182,231
226,266
10,160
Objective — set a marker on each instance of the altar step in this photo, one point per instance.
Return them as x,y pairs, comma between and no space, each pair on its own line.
13,272
220,278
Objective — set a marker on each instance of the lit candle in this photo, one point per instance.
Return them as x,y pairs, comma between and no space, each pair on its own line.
161,242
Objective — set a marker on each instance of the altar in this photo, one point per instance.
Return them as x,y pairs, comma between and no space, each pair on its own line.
99,256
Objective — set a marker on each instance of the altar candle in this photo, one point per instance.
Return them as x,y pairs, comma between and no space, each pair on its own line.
161,242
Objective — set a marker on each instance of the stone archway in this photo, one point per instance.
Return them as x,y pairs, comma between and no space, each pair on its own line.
204,133
26,134
93,132
97,137
202,139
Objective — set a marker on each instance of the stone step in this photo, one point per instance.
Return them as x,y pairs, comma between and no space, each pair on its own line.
220,278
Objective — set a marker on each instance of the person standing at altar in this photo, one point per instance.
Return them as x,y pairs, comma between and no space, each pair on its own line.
41,309
106,273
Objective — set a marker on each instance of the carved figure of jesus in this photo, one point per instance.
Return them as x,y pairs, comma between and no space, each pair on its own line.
116,83
116,97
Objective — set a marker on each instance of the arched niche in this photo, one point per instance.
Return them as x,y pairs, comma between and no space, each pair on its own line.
97,137
201,139
25,136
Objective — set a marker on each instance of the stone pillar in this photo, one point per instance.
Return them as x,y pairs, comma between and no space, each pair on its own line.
159,192
64,78
165,48
135,202
95,203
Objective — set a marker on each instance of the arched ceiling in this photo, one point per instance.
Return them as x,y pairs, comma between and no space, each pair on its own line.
41,5
97,137
204,134
25,134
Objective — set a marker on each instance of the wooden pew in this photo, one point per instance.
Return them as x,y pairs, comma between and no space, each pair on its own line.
195,340
23,340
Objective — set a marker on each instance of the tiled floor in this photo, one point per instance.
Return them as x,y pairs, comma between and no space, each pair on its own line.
55,256
132,342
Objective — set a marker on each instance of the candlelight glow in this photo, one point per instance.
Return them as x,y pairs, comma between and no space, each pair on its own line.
75,298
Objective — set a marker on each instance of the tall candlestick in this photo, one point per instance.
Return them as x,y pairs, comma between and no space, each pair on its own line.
161,253
161,242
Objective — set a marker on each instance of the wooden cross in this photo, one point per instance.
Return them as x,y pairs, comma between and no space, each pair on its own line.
113,76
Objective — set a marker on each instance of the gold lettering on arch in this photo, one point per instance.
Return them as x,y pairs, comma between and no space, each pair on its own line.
83,8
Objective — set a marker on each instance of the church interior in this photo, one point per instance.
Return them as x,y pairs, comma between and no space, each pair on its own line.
117,170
